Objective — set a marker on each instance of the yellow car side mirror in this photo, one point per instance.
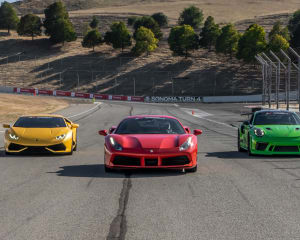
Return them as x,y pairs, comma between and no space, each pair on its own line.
6,126
75,125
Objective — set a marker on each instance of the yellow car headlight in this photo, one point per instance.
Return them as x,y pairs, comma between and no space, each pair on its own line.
61,137
13,136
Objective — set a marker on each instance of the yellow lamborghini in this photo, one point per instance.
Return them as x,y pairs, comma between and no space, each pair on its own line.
41,134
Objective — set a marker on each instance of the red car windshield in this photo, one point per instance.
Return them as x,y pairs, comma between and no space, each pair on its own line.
276,118
150,126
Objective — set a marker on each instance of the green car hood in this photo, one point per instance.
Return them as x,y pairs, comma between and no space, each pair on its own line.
280,130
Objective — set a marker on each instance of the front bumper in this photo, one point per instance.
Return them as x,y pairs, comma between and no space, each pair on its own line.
121,160
275,146
30,148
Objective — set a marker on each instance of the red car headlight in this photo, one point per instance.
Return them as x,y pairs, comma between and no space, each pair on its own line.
115,144
186,145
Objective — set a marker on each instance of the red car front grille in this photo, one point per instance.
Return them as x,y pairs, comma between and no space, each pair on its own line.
150,161
127,161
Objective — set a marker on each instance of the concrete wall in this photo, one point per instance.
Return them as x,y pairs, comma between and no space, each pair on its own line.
249,98
6,89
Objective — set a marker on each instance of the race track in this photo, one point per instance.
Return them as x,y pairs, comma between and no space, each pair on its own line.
232,196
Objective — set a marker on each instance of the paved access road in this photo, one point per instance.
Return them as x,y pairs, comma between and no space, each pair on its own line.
232,196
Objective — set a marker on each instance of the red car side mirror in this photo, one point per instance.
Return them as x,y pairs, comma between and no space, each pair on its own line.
113,128
103,133
197,132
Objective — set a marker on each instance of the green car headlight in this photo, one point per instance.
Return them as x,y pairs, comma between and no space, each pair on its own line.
259,132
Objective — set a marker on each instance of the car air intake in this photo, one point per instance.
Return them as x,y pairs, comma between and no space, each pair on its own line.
286,149
261,146
58,147
15,147
127,161
175,161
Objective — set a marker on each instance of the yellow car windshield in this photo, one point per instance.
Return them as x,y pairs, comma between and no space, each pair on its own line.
40,122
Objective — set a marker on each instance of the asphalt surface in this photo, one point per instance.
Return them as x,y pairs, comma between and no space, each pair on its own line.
232,196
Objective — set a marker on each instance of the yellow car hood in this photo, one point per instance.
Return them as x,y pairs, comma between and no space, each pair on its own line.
40,133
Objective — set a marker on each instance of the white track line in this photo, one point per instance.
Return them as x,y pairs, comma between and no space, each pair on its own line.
98,104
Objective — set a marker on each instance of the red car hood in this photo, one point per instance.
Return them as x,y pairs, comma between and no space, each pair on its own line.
153,141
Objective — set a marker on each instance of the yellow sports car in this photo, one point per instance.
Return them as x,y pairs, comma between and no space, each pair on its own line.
41,134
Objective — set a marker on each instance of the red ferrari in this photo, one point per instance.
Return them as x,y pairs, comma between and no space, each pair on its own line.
150,142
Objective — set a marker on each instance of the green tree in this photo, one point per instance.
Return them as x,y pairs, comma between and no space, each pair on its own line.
161,19
91,39
131,20
150,23
251,43
182,39
295,41
58,25
145,41
30,25
279,30
8,17
210,33
227,42
53,13
118,36
192,16
94,23
278,42
64,32
294,22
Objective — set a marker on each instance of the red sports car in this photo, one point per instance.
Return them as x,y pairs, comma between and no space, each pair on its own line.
150,142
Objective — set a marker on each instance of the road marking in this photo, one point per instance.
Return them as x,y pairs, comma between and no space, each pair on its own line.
98,104
202,115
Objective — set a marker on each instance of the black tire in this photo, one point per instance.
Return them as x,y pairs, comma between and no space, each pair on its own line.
240,149
107,169
7,153
191,170
249,146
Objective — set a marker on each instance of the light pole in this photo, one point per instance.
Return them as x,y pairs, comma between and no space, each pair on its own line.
264,66
270,83
279,65
298,68
288,79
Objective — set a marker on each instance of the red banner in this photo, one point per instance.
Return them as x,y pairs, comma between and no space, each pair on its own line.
45,92
101,96
78,95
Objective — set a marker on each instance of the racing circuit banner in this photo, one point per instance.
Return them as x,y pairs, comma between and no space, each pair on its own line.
174,99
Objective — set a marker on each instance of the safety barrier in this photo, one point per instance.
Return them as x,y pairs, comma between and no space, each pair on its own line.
77,95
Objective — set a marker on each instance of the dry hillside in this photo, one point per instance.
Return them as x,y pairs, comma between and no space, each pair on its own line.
223,10
38,64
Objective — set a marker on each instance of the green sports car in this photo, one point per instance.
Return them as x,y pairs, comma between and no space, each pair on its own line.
270,132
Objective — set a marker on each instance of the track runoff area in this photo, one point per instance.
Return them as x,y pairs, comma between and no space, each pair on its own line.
231,196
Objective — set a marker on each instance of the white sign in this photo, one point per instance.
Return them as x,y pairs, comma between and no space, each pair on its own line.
177,99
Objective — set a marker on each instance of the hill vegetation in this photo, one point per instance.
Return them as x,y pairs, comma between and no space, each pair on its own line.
147,35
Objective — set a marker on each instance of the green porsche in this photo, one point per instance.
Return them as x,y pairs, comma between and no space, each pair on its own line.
270,132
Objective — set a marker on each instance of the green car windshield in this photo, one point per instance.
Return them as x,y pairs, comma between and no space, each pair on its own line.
276,118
